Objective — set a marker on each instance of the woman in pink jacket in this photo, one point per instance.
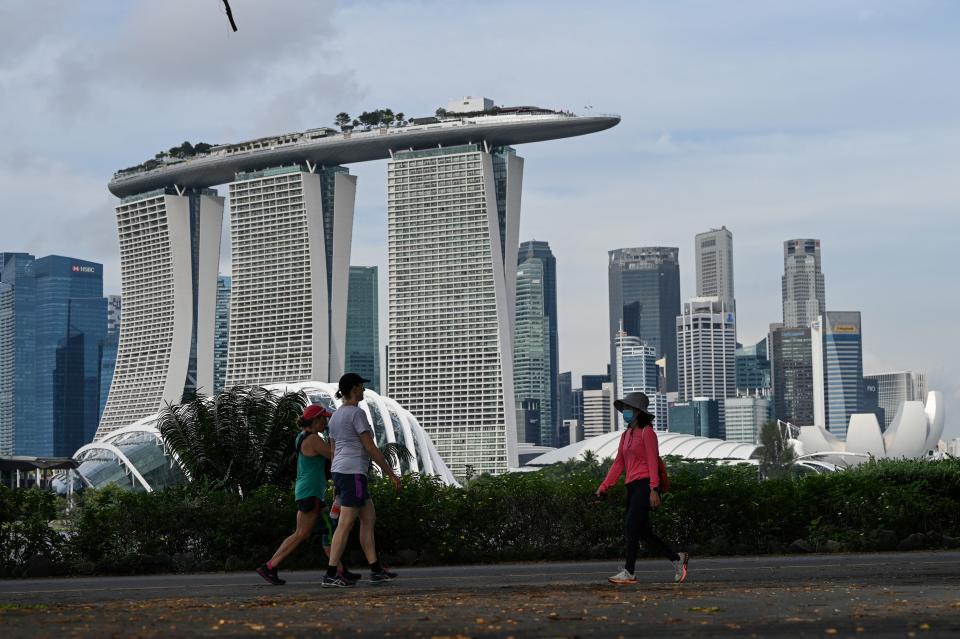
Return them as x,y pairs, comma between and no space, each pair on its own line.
638,456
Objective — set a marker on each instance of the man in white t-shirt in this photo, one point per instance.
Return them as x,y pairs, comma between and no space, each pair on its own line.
353,447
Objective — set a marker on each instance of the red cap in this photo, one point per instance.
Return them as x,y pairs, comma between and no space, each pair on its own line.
316,410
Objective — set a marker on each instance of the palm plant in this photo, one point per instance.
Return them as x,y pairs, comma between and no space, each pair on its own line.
396,454
236,441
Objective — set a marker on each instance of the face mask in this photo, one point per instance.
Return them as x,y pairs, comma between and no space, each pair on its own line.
628,415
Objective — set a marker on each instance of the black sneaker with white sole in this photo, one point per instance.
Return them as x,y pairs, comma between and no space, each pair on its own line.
339,581
351,576
383,576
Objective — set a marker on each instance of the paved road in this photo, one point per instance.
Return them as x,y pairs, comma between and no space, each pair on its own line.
809,595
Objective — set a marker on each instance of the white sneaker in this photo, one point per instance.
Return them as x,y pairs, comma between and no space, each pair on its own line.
681,568
623,578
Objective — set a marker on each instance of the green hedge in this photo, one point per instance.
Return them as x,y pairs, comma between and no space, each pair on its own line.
527,516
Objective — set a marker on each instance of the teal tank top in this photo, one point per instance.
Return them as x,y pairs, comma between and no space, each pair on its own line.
311,475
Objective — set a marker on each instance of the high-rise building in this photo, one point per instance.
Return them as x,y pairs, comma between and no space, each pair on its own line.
541,250
791,367
753,369
108,360
645,297
531,355
744,418
896,388
221,334
706,351
804,293
528,420
637,372
18,384
290,230
714,255
363,325
453,227
598,412
169,254
871,401
837,343
699,417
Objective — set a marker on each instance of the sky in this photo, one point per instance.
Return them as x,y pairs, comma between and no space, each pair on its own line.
836,120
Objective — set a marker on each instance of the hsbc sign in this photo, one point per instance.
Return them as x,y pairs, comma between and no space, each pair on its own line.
83,269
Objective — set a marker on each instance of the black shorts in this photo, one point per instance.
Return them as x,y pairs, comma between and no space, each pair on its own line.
352,489
309,504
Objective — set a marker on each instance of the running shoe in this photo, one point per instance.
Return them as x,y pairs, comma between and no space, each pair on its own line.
270,575
336,582
383,576
350,576
623,578
681,567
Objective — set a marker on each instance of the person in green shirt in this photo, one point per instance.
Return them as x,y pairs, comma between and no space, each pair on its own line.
313,454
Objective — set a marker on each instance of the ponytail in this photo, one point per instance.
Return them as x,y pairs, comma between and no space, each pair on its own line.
303,423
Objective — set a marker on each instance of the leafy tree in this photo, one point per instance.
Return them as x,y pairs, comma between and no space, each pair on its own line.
441,112
342,120
237,441
776,453
400,118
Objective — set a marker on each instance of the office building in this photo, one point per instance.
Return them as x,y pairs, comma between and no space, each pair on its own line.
837,343
871,401
699,417
18,379
534,249
753,369
528,420
221,334
706,351
791,367
531,356
598,412
804,293
637,372
291,229
363,325
7,359
169,254
894,389
714,257
564,404
744,417
644,288
453,225
574,431
108,359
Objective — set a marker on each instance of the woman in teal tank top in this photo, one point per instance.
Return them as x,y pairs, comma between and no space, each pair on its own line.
313,454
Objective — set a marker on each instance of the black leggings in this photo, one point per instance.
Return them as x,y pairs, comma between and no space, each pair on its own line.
638,525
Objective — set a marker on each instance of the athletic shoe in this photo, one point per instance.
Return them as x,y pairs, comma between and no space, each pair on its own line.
350,576
623,578
270,575
383,576
681,567
336,582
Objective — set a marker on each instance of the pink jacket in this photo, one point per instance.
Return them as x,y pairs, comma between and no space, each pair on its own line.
639,454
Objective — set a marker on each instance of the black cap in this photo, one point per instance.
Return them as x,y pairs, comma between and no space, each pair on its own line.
348,381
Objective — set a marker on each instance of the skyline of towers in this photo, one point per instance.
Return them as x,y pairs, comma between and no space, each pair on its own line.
363,325
451,214
802,285
532,362
644,285
169,254
290,230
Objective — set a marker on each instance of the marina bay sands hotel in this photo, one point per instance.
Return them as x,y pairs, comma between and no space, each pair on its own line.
453,208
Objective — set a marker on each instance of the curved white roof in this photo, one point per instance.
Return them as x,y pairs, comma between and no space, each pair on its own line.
687,446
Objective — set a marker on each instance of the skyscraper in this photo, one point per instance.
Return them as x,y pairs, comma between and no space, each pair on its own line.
791,363
169,253
753,369
706,350
837,343
802,283
108,360
453,225
714,255
896,388
744,418
290,230
637,371
221,334
699,417
18,384
532,366
598,413
363,325
645,296
541,250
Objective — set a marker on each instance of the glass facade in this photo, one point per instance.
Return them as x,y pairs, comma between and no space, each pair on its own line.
531,354
842,369
221,334
645,296
108,361
753,369
792,372
19,344
363,325
541,251
698,417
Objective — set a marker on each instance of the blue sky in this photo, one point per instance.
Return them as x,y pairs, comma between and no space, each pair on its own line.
835,120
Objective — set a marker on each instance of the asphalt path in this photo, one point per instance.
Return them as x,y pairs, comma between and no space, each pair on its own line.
893,594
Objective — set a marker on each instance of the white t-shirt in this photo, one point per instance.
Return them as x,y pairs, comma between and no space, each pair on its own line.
345,427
